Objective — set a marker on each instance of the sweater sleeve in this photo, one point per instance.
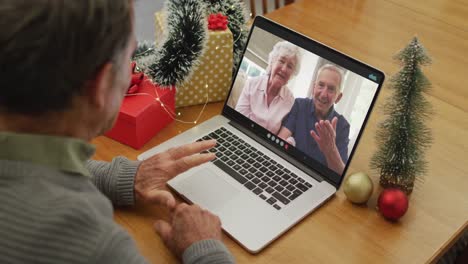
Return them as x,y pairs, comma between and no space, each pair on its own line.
115,179
116,246
207,252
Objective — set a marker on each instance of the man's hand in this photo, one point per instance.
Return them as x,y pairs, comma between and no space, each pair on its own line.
189,224
325,136
326,140
153,173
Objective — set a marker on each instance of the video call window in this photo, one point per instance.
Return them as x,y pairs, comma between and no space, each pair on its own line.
279,82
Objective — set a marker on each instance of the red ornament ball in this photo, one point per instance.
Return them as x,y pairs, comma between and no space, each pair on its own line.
392,203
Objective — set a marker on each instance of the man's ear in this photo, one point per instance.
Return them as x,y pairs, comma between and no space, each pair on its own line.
339,98
98,88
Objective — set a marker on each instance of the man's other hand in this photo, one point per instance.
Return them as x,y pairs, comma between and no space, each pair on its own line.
154,172
189,224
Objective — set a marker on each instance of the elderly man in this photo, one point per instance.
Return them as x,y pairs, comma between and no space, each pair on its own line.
317,129
64,71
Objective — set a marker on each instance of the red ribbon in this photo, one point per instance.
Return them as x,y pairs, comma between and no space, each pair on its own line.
217,22
137,78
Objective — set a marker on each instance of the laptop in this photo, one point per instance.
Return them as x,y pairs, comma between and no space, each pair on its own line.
261,185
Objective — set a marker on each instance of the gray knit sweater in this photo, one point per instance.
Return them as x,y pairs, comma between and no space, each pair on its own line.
53,209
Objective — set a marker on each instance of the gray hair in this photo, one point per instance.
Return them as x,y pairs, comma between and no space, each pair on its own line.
284,48
50,49
332,67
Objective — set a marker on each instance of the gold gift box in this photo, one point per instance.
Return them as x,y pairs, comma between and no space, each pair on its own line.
211,79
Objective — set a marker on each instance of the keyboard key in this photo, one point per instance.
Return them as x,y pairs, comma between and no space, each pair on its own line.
256,180
246,166
265,178
286,177
243,172
286,170
262,196
213,135
269,190
301,187
279,188
262,185
290,188
249,176
245,157
273,168
230,171
277,207
295,194
258,174
263,169
271,200
260,159
286,193
249,185
280,172
277,178
308,184
240,161
272,183
293,181
282,183
252,170
270,174
257,191
236,167
280,197
301,180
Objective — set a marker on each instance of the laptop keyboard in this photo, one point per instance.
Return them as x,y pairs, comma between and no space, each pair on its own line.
267,179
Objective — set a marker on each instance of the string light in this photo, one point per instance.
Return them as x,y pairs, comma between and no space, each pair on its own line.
168,110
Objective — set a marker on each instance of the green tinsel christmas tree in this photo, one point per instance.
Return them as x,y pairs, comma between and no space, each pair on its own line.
403,136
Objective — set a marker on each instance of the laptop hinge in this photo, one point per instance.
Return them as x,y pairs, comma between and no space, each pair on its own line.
283,155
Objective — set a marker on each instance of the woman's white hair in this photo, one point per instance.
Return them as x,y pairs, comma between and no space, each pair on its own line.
284,48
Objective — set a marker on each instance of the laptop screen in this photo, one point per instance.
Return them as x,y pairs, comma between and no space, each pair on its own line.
305,99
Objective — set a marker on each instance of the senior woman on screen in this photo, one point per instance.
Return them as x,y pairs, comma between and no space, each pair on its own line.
266,99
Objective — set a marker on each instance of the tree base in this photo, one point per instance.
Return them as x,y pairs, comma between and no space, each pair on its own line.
406,184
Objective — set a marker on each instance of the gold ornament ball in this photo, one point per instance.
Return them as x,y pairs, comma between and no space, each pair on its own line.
358,187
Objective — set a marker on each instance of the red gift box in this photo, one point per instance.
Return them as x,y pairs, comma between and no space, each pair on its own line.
141,116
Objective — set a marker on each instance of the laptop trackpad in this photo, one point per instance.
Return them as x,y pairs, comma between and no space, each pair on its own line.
208,190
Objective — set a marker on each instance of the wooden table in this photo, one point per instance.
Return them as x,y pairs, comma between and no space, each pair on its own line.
340,232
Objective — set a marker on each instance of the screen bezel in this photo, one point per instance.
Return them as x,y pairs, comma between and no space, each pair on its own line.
327,53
